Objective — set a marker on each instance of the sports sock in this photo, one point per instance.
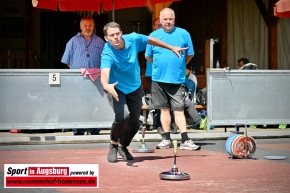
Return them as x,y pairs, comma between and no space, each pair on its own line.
166,136
184,137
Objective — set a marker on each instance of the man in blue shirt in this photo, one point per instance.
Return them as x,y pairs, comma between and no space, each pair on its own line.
148,71
120,77
84,51
168,78
148,76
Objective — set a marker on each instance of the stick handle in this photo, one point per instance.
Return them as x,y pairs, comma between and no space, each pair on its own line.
143,132
175,146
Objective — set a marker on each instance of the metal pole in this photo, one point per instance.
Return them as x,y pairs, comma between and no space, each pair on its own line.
113,11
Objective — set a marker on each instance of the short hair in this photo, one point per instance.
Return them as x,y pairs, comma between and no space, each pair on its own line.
167,9
244,60
110,25
155,20
87,18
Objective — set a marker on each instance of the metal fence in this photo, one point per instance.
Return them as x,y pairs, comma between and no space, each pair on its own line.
30,99
248,97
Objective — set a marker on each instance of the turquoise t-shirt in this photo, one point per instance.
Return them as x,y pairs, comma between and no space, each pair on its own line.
124,65
167,67
148,71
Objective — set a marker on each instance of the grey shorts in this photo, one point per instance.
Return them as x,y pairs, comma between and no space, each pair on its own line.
167,95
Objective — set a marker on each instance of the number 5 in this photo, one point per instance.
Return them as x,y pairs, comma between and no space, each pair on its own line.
54,78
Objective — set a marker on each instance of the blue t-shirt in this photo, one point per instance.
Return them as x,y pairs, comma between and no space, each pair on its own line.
80,53
167,66
124,65
148,71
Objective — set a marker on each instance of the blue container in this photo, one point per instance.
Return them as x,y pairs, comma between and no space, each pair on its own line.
229,143
240,146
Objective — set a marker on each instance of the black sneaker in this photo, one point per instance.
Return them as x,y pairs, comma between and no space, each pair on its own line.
78,131
93,131
160,130
174,128
123,151
112,154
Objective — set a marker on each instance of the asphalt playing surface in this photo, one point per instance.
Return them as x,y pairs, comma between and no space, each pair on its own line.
210,169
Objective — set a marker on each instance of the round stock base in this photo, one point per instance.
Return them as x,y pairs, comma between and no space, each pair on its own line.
143,148
169,175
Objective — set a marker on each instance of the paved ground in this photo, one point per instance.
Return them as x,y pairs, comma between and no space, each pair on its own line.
210,169
44,137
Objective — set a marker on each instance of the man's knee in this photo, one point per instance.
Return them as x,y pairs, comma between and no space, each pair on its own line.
178,113
165,112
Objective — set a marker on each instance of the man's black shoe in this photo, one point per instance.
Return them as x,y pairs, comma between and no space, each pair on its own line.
174,128
78,133
112,154
123,151
95,131
89,133
160,130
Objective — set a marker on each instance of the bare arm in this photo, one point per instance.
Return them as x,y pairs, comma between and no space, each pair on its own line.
150,59
109,88
188,58
157,42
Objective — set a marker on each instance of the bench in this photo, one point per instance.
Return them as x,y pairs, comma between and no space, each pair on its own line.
145,108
